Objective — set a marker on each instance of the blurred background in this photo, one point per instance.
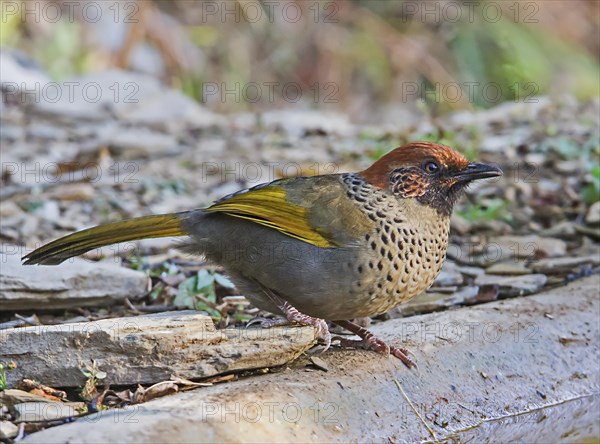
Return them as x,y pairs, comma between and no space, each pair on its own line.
363,57
116,109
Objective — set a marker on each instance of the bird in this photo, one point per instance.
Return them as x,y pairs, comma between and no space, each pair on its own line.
318,249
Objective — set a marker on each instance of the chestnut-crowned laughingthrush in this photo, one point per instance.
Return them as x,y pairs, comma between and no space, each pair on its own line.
333,247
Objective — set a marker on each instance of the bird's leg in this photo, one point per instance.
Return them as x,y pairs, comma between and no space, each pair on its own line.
370,342
294,316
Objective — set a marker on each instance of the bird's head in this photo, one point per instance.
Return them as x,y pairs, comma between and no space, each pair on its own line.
435,175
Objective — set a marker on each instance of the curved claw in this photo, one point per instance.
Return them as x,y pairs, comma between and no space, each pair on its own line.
370,342
324,333
268,322
402,354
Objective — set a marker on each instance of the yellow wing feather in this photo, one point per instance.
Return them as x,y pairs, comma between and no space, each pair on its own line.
268,206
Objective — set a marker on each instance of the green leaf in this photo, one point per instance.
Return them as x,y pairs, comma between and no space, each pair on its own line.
591,192
204,279
223,281
185,293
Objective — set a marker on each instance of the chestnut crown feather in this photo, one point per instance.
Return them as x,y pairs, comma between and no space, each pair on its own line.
436,175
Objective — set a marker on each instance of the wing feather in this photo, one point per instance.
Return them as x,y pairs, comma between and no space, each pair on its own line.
268,205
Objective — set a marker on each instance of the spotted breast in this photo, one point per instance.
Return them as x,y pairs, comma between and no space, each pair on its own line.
404,252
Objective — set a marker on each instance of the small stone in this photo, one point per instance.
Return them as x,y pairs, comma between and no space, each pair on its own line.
99,95
435,301
49,210
171,111
471,271
492,226
18,72
11,397
11,133
8,430
593,215
563,264
504,248
446,290
297,123
449,276
72,191
594,233
566,228
512,286
568,166
44,411
496,143
459,224
319,363
243,121
536,159
551,247
9,208
132,143
508,268
76,283
47,132
486,293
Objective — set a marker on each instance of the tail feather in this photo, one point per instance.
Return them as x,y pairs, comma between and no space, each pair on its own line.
146,227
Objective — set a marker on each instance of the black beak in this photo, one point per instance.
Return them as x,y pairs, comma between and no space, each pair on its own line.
475,171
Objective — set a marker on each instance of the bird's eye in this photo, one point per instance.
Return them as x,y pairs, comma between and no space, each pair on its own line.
431,167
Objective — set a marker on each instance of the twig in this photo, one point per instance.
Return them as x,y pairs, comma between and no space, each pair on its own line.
20,322
413,407
29,384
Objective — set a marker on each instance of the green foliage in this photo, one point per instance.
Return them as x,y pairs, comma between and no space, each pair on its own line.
565,146
591,192
93,376
469,147
166,188
378,146
492,209
62,53
4,369
370,52
588,153
199,293
437,136
519,62
9,31
93,373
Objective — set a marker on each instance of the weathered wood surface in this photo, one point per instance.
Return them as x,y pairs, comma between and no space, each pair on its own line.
486,367
146,349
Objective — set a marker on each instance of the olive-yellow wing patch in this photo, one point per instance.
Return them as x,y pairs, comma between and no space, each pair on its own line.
268,206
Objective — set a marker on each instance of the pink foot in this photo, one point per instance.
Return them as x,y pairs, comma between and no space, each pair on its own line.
370,342
294,316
